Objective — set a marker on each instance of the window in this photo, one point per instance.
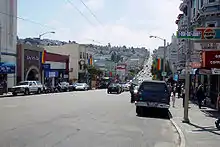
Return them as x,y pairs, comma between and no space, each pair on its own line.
84,55
201,4
211,1
80,55
211,24
150,86
87,56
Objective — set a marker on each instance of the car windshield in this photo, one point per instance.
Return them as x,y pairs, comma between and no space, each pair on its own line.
153,86
23,83
80,84
113,85
38,83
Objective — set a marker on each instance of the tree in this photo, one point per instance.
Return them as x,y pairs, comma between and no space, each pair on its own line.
93,71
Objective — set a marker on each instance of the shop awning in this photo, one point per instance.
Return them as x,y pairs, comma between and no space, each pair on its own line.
7,68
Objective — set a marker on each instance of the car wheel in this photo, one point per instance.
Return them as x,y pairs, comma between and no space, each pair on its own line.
14,93
39,91
26,92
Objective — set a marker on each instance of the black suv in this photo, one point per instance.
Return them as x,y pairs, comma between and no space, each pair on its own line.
114,87
152,94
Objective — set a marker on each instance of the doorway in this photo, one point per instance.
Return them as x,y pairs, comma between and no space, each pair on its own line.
33,75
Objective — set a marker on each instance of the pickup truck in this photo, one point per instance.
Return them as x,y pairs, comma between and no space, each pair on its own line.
152,94
27,87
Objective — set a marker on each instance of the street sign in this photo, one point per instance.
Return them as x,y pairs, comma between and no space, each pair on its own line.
200,34
164,74
215,71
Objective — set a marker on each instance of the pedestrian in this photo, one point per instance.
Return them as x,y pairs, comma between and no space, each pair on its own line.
173,95
200,95
179,88
183,95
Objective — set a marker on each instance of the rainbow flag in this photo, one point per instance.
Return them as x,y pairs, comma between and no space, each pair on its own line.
43,57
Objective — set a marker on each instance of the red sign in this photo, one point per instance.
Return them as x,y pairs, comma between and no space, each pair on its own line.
207,33
195,64
211,59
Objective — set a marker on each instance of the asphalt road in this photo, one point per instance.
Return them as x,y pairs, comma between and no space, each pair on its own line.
80,119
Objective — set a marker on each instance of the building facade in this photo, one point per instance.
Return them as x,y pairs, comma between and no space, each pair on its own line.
203,14
55,68
8,40
79,56
29,62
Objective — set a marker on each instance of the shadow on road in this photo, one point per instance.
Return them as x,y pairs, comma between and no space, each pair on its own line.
156,113
210,129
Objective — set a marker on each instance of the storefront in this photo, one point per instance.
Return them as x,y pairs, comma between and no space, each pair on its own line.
29,63
5,70
55,68
211,80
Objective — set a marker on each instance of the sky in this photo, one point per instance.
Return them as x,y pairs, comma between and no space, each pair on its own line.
120,22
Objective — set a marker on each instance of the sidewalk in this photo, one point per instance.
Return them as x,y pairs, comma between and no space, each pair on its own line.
6,95
201,131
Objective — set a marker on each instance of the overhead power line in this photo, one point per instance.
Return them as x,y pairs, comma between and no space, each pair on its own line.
28,20
93,14
70,2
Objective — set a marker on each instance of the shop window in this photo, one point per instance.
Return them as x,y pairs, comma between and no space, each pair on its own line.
211,1
80,55
211,24
201,3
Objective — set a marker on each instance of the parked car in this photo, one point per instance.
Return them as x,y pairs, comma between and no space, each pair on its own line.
27,87
153,94
63,87
72,87
134,94
81,86
114,87
126,87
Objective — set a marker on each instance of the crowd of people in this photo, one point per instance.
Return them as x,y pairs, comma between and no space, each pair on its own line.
178,90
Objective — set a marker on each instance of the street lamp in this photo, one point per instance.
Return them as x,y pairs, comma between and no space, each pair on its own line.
164,56
51,32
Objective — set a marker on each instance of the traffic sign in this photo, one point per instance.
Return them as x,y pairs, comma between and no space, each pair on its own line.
215,71
164,74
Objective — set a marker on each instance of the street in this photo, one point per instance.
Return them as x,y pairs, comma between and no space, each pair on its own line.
80,119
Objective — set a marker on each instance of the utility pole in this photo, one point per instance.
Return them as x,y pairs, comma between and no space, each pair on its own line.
164,59
187,72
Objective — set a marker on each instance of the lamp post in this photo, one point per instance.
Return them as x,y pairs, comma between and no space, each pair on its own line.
164,56
51,32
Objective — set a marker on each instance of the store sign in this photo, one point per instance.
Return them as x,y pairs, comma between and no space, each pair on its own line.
51,74
6,68
46,66
36,58
215,71
211,59
195,64
209,33
200,34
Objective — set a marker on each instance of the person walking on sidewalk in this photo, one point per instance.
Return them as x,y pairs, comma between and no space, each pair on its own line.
200,95
173,95
183,94
179,90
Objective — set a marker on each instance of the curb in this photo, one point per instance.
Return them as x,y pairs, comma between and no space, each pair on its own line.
182,142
